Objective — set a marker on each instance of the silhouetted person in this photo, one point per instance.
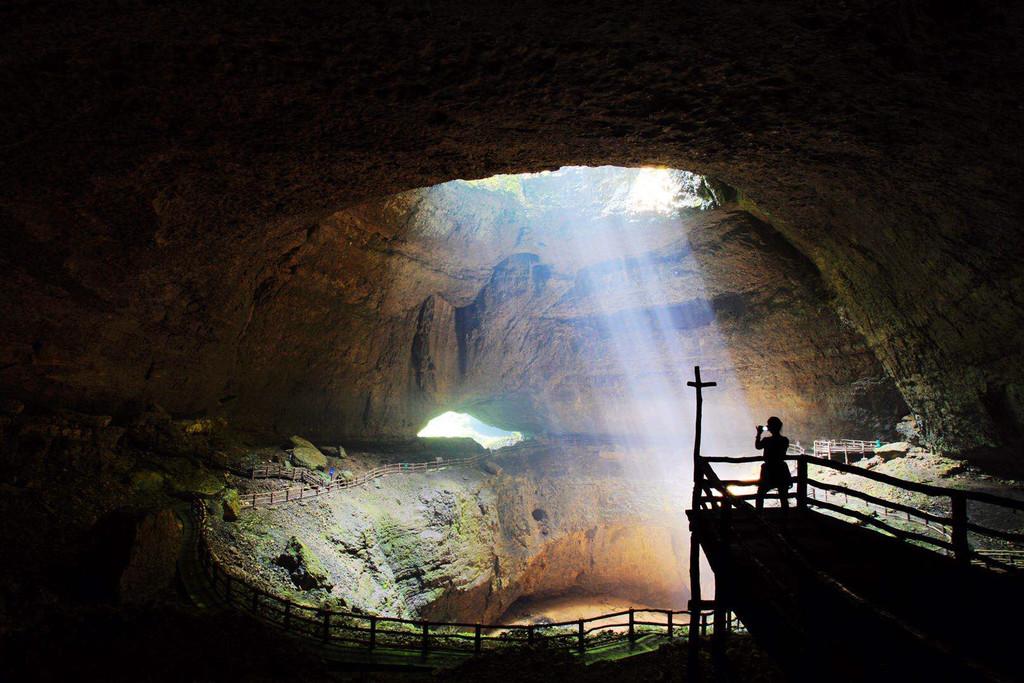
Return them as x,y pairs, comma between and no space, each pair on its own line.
774,472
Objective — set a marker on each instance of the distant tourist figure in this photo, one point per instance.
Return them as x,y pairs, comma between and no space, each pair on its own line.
774,472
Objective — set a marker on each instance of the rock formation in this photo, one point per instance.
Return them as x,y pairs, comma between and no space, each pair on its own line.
465,544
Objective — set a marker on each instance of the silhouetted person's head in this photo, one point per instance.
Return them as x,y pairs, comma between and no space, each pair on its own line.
774,425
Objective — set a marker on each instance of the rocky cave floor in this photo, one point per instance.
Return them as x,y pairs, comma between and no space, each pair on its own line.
88,518
466,542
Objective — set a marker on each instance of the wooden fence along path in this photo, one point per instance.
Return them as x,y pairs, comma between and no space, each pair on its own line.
315,485
372,633
826,448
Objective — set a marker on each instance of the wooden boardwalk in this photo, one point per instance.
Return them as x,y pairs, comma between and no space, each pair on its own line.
841,593
835,601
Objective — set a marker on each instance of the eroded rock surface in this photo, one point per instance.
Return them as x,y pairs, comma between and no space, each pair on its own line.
465,544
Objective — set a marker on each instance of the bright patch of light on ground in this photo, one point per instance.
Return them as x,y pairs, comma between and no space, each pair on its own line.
452,424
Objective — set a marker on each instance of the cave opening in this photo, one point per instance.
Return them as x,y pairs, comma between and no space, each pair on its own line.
569,306
454,424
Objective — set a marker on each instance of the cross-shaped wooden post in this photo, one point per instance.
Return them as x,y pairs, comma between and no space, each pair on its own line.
695,596
698,385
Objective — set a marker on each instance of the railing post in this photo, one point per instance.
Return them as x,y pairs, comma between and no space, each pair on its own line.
669,613
582,637
632,629
426,638
327,626
961,546
477,640
373,633
801,482
287,614
529,634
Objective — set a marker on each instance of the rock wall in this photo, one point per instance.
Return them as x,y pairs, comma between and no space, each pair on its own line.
460,297
467,543
166,172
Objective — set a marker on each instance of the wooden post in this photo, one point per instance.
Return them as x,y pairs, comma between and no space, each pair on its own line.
373,633
669,613
287,614
426,638
582,637
694,605
801,482
529,634
477,640
632,629
698,480
961,546
327,626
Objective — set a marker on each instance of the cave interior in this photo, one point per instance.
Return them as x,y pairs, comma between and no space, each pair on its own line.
451,265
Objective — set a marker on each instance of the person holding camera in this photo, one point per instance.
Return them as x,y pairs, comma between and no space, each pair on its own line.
774,472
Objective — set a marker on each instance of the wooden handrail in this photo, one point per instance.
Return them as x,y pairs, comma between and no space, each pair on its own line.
317,487
957,522
705,471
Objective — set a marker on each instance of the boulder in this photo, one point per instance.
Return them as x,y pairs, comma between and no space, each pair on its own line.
305,454
146,481
303,566
892,450
187,479
231,506
491,467
334,451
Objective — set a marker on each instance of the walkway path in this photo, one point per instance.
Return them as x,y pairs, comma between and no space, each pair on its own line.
315,484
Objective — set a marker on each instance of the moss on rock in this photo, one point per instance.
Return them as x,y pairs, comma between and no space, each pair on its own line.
304,567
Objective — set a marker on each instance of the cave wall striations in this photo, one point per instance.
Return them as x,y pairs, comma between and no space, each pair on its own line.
161,195
374,336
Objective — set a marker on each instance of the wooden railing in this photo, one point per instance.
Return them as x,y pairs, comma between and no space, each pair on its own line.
826,448
953,528
713,492
374,632
315,484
